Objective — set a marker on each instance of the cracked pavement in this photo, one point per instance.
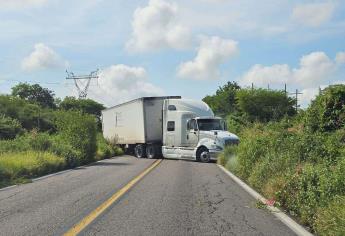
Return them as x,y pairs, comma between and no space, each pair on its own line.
187,198
175,198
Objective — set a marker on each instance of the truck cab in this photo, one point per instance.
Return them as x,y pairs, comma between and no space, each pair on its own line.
191,131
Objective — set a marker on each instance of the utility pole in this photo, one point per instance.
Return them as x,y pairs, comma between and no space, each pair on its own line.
296,98
82,82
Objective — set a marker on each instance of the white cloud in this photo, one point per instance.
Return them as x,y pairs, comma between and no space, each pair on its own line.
18,4
313,14
314,68
340,58
264,75
155,26
307,95
212,52
43,57
120,83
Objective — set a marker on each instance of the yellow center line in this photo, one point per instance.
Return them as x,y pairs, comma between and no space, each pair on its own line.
76,229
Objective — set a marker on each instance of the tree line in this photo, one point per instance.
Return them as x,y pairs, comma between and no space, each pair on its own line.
32,107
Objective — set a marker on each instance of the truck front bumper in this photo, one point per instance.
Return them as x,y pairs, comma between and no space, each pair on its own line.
214,154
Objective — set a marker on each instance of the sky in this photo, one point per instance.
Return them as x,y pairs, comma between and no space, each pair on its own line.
172,47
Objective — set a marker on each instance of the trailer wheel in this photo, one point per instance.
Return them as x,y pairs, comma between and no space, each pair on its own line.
139,151
151,151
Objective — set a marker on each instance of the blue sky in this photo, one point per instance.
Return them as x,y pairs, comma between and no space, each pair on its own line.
163,47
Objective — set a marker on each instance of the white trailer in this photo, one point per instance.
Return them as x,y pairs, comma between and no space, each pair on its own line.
136,125
175,127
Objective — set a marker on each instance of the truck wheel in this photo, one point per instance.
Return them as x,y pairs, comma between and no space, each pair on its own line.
139,151
151,151
203,155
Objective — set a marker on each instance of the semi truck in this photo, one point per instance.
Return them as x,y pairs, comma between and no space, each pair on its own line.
167,126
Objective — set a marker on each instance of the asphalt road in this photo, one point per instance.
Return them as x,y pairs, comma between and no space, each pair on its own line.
175,198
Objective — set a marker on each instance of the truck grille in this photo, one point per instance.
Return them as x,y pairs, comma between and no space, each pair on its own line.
231,142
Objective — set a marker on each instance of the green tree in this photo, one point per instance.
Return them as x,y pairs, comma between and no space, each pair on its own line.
34,94
87,106
29,115
264,105
327,111
224,101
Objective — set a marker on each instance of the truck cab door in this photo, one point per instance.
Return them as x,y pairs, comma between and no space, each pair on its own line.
192,133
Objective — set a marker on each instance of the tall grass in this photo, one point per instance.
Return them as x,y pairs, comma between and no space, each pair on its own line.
106,149
35,154
304,172
24,165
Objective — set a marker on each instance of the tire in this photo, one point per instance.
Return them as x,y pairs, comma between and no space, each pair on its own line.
151,151
203,155
139,151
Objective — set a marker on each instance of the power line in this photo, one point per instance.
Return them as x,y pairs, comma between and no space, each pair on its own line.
31,81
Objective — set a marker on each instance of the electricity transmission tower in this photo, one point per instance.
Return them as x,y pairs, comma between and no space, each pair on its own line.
82,82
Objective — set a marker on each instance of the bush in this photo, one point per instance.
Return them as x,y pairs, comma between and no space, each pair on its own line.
229,158
39,141
78,130
61,148
106,149
330,219
235,124
311,187
86,106
327,111
30,116
301,170
19,144
9,128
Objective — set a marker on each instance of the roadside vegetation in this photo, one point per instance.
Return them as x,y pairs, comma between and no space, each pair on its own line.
296,159
40,134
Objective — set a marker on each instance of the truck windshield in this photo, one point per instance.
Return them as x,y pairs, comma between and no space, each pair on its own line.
211,124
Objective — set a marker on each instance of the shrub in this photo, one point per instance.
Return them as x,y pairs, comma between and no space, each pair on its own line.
301,170
16,145
106,149
30,116
78,130
39,141
327,111
235,124
228,158
9,128
330,219
311,187
61,148
86,106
